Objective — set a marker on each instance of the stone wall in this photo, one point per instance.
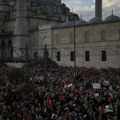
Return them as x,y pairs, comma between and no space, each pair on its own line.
93,38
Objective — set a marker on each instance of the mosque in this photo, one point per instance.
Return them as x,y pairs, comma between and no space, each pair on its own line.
30,26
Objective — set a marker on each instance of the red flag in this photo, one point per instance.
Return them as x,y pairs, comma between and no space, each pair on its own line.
72,88
63,99
27,117
19,116
49,101
81,94
101,112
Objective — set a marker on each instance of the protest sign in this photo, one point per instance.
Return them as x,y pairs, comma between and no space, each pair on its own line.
106,83
96,85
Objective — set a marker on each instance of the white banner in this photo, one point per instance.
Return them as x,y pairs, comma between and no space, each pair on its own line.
96,85
96,94
106,83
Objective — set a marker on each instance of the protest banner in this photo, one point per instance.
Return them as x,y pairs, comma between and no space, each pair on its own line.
96,85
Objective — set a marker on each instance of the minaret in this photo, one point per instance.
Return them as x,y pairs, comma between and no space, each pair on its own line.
21,36
98,8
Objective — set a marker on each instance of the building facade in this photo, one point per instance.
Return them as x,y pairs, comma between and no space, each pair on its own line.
19,23
69,39
97,45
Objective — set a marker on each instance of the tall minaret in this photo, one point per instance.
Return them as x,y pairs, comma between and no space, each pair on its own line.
98,8
21,36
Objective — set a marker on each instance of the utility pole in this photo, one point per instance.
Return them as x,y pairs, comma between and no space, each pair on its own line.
26,52
45,64
26,60
74,49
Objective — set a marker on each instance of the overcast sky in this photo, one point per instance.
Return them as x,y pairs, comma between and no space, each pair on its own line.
87,7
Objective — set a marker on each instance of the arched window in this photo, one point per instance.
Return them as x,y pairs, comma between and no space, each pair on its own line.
45,53
44,40
5,17
45,43
3,50
9,49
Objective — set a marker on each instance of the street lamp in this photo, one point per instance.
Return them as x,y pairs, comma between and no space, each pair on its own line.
45,64
75,74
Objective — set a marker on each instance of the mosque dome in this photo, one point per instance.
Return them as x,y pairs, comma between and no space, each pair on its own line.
46,2
80,22
73,17
70,21
95,20
56,25
111,18
67,24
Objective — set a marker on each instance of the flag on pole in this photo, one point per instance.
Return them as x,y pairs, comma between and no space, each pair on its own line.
27,117
49,102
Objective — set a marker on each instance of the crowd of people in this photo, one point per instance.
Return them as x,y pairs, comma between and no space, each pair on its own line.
90,94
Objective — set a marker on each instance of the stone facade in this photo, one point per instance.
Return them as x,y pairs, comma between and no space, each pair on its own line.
94,38
49,22
20,20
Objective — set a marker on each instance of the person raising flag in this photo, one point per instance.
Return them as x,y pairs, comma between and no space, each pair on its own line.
49,102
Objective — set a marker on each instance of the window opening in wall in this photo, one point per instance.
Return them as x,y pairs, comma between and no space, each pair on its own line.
72,56
58,56
9,50
3,50
5,17
87,55
104,55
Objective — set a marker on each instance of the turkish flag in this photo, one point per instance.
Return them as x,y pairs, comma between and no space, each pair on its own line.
49,102
63,99
27,117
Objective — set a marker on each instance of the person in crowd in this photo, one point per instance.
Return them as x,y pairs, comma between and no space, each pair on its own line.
93,95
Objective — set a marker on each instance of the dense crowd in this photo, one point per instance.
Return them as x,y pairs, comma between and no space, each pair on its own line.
93,95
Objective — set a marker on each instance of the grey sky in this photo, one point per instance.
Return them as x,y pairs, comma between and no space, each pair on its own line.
86,7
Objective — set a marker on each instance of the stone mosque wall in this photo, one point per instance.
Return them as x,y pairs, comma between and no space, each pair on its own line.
93,38
50,22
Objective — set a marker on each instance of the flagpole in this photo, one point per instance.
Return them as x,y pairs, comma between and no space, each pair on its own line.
74,50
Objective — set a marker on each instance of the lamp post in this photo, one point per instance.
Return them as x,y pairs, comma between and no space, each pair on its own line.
74,48
45,64
26,62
